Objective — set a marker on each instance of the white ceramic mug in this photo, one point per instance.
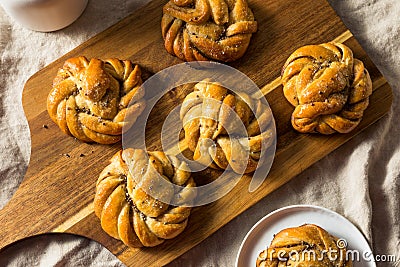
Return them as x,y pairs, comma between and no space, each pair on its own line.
44,15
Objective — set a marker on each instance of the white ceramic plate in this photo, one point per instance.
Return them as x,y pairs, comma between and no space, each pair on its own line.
261,234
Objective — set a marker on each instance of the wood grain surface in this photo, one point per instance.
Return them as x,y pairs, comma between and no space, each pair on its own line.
58,190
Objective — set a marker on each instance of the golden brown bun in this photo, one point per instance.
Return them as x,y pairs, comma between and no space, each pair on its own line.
127,212
328,87
306,245
207,112
90,99
207,29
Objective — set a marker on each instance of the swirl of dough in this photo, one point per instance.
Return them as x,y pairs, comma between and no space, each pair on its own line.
225,130
93,100
127,212
328,88
306,245
207,29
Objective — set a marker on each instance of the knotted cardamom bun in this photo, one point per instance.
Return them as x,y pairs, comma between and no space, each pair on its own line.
226,130
207,29
306,245
328,87
127,212
92,100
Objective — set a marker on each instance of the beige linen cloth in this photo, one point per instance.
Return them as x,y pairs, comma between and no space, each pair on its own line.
360,180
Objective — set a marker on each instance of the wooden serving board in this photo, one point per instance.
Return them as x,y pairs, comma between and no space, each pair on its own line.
58,190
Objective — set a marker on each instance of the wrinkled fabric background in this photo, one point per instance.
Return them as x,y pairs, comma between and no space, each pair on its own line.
360,180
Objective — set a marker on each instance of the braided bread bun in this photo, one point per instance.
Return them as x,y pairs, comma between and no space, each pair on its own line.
127,212
328,87
211,114
207,29
306,245
91,99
